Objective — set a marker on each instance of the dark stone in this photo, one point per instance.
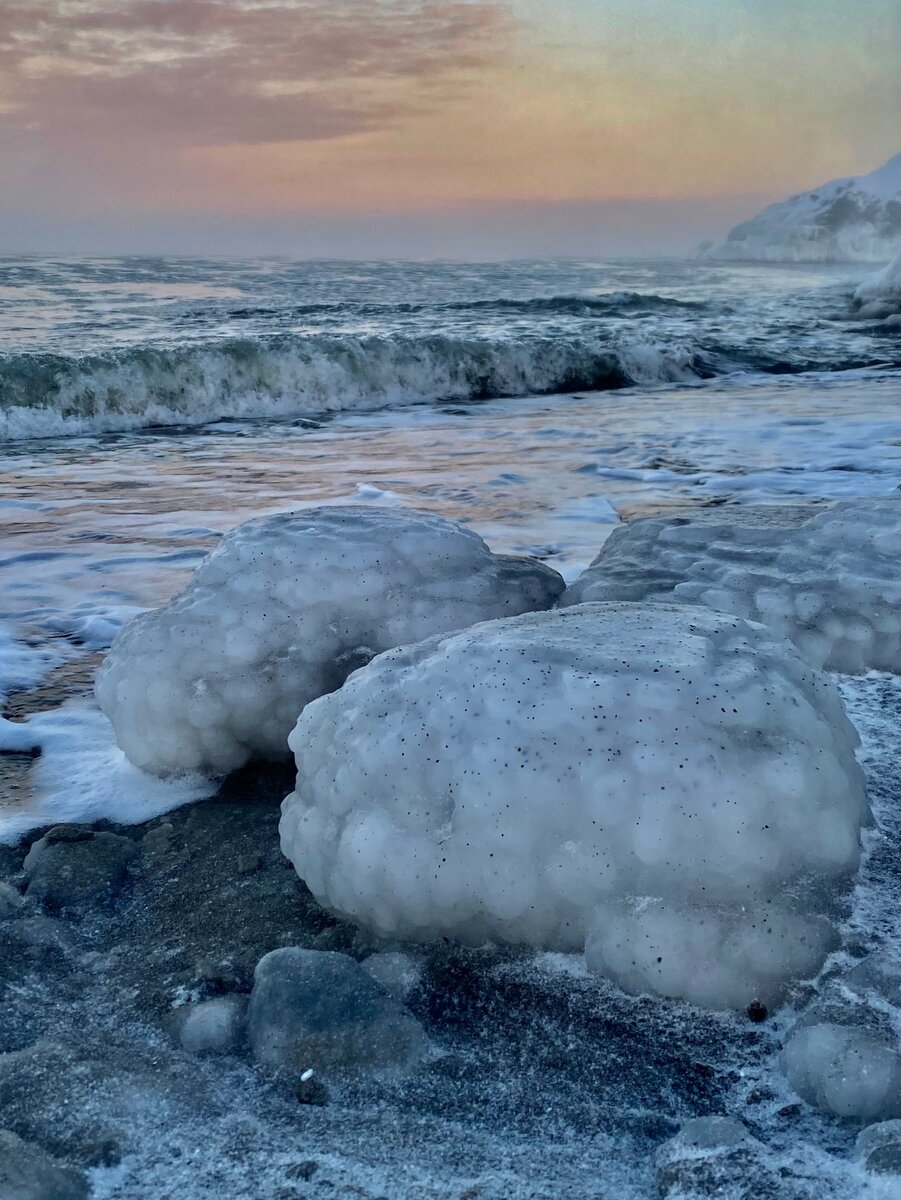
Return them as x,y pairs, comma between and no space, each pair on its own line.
303,1170
68,833
757,1012
309,1089
313,1008
64,873
210,1027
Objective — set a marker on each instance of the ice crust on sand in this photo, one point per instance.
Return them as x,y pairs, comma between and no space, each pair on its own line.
671,788
281,612
825,578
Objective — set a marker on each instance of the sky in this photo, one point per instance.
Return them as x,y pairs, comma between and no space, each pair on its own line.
429,128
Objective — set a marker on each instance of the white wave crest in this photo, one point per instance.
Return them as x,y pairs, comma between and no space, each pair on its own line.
52,396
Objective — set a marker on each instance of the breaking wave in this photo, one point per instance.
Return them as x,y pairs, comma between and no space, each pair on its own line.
297,375
46,395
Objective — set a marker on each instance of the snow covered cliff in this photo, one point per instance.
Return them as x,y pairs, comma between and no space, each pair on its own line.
847,220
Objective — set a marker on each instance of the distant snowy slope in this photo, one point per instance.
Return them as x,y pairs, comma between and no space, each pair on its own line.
848,220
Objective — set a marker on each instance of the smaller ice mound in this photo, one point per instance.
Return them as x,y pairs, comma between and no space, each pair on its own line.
843,1054
671,788
827,578
879,296
281,612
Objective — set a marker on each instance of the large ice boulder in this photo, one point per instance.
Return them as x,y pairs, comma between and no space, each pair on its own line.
672,788
281,612
827,578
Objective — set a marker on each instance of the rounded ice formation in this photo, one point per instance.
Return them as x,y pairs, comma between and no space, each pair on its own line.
281,612
827,578
671,785
842,1054
845,1070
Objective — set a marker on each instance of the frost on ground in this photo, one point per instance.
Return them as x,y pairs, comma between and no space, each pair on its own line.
825,578
545,1083
281,612
671,788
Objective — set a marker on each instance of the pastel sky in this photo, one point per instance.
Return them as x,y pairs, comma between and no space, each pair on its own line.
458,127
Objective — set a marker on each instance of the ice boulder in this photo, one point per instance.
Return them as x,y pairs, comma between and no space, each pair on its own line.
827,578
281,612
842,1055
879,296
879,1147
672,788
845,1070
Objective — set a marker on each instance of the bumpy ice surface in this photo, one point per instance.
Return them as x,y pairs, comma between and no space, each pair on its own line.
281,612
842,1055
671,786
825,578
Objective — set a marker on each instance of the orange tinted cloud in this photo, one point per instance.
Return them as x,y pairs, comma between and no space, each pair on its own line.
213,72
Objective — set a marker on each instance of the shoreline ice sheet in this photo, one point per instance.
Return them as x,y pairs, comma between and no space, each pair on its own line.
281,612
671,788
826,578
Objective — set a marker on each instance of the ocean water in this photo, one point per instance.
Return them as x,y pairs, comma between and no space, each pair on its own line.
147,405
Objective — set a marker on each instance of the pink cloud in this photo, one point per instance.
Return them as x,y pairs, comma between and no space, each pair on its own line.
205,72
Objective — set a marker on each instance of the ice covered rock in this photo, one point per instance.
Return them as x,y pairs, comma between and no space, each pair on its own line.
212,1026
826,578
718,1156
842,1055
879,296
64,872
845,1070
27,1173
672,785
856,219
312,1009
879,1147
281,612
